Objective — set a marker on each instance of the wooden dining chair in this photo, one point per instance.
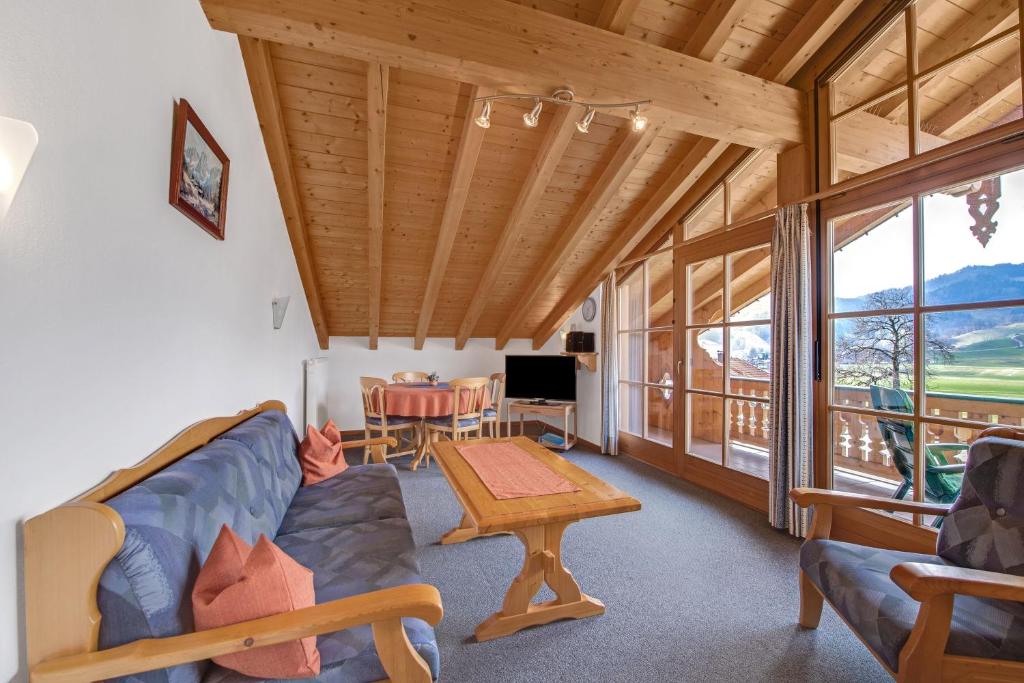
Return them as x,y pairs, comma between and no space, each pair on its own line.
467,414
376,418
492,415
409,376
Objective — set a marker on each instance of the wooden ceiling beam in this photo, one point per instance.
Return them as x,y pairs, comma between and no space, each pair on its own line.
376,130
519,49
470,142
616,15
260,70
714,28
629,153
556,139
998,83
822,19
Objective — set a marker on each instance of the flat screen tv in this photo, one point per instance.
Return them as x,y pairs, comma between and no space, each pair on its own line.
552,378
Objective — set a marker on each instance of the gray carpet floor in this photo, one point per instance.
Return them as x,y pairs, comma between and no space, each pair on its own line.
697,588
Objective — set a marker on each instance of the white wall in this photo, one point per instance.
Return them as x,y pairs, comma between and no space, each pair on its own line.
350,359
121,321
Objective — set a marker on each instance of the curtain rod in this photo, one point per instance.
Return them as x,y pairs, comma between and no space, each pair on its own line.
1002,134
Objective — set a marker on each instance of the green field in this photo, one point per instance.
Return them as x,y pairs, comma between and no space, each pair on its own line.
993,367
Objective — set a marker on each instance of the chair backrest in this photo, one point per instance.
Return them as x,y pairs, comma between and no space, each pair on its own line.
409,376
985,526
468,402
497,391
373,396
897,434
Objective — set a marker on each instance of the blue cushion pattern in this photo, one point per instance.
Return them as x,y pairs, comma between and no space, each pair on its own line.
490,413
246,479
362,493
447,421
393,420
855,579
350,560
985,526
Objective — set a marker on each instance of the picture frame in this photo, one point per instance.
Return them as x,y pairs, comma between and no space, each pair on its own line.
199,172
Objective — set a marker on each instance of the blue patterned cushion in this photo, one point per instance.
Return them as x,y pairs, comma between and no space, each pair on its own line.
985,527
855,579
393,420
490,413
245,479
362,493
354,559
447,421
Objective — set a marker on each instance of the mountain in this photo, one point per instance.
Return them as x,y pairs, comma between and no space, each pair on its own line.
968,285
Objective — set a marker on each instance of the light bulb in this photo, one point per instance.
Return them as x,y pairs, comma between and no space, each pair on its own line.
583,125
639,122
484,120
532,117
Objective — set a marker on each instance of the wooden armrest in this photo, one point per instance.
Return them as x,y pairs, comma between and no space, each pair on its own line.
923,581
805,497
416,600
376,441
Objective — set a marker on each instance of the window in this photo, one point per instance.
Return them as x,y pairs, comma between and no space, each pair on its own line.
748,190
936,72
645,309
926,331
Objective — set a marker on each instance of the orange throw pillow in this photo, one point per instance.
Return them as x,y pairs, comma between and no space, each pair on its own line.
238,583
320,455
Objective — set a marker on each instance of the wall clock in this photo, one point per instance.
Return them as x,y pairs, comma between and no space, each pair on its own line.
589,309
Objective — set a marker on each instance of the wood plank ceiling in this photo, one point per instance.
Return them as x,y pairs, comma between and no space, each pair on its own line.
499,232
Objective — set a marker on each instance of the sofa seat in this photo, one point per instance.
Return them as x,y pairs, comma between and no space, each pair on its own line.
855,579
361,493
349,560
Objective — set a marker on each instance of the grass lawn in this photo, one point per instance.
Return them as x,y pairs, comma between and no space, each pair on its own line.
990,368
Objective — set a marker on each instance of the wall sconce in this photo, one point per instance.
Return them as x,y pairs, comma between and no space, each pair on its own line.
280,305
18,141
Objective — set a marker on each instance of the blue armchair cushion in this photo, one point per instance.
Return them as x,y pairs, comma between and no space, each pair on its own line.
393,420
354,559
362,493
490,413
985,527
855,579
447,421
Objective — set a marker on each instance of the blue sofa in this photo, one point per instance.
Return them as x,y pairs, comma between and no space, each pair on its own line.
351,531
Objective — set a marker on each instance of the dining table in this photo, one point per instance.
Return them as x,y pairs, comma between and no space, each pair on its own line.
425,400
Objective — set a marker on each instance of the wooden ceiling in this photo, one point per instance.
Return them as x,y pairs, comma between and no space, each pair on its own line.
408,220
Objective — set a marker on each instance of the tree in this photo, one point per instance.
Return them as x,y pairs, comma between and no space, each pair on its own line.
880,349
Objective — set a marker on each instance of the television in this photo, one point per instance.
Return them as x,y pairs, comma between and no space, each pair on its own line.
551,378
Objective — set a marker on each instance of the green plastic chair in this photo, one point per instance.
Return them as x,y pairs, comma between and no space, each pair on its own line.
941,481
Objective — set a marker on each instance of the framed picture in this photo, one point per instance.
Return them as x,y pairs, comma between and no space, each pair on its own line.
199,172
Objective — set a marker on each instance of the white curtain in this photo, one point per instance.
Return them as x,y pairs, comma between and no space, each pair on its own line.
609,368
790,461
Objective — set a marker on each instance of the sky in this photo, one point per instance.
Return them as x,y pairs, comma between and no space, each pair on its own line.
883,258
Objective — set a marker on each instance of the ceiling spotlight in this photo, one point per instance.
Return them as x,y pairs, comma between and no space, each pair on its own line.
532,117
583,125
484,120
639,122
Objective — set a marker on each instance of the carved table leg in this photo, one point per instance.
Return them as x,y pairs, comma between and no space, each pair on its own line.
465,531
542,564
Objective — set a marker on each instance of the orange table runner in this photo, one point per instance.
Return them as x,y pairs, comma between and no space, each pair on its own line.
510,472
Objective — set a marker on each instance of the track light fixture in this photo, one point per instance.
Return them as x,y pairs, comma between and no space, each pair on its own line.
563,96
484,120
532,117
583,125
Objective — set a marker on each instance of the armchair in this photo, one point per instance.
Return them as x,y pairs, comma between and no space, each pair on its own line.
901,604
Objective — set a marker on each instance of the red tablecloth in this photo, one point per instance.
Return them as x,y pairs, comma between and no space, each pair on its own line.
424,400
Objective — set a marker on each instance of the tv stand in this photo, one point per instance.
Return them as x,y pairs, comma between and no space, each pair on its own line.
564,409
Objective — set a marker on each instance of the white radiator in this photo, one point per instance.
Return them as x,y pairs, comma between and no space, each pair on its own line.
316,391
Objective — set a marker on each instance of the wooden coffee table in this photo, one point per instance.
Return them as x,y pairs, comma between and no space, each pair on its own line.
539,522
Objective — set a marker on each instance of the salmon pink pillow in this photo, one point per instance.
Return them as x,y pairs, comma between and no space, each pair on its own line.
320,456
238,583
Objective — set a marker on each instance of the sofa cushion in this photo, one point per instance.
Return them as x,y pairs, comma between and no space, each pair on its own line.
362,493
347,561
855,579
985,527
319,457
245,479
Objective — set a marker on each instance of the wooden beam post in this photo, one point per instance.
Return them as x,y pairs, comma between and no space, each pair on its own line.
616,15
260,70
376,132
520,49
458,191
714,28
556,139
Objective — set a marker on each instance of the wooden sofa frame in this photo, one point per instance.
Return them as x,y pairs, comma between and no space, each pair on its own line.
67,549
923,659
